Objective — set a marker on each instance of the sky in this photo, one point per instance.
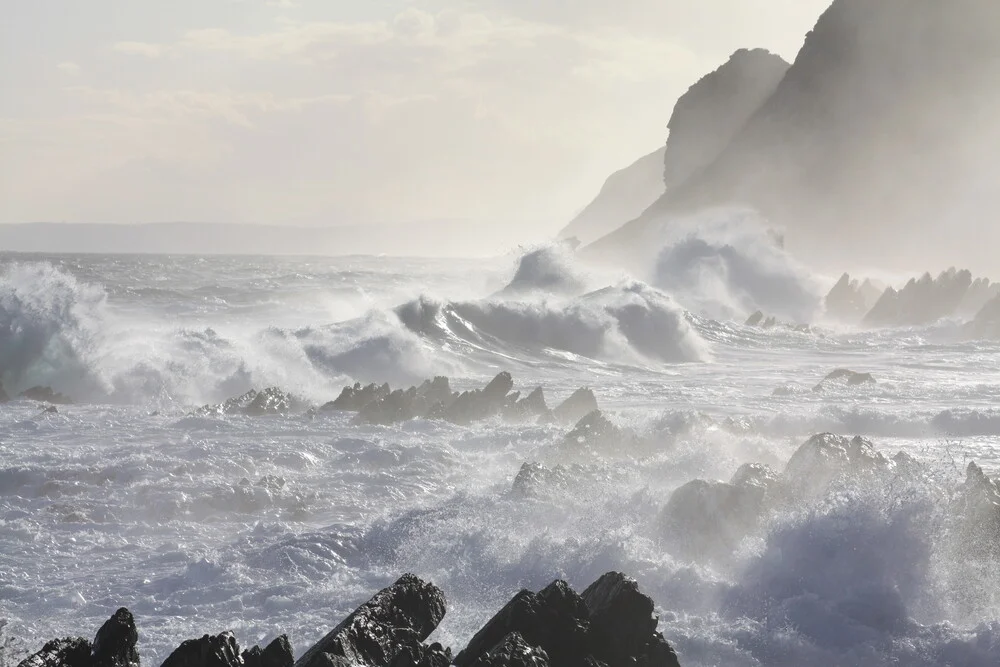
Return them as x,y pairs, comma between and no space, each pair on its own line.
329,112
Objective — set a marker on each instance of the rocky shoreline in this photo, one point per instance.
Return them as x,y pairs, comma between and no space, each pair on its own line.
611,624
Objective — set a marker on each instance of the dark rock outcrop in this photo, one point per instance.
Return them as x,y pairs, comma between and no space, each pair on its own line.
220,650
987,321
115,643
922,301
623,625
531,407
534,480
353,399
513,651
400,616
421,655
69,652
594,431
276,654
978,507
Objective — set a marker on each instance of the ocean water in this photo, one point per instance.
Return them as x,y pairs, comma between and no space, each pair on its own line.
286,524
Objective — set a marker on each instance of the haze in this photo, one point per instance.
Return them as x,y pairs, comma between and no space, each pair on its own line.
312,112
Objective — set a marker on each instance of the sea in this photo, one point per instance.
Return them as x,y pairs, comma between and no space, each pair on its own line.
128,496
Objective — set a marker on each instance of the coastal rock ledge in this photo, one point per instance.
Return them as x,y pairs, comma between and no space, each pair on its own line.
611,624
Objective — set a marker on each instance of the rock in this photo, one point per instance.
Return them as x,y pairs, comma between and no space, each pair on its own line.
277,654
480,404
532,406
987,321
50,410
922,301
576,407
708,519
623,625
115,643
849,301
534,479
220,650
271,401
756,474
46,395
595,430
755,319
554,619
392,409
978,506
4,398
846,377
69,652
513,651
825,457
421,655
401,615
352,399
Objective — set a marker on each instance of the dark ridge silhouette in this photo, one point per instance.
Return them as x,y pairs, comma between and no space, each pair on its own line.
704,121
881,133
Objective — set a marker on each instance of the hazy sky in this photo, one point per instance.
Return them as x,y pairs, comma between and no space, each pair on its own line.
330,111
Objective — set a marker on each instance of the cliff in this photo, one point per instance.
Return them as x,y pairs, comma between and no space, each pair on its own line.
880,132
704,121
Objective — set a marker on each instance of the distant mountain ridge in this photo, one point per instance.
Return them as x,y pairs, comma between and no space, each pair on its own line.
883,130
703,122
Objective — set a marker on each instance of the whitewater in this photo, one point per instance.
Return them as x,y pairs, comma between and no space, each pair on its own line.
268,525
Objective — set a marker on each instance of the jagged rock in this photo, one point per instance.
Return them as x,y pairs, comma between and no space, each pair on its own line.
576,407
401,615
271,401
594,430
277,654
530,407
987,321
513,651
847,377
756,474
394,408
421,655
623,625
825,457
555,619
755,319
115,643
46,395
68,652
978,505
480,404
922,301
220,650
352,399
849,300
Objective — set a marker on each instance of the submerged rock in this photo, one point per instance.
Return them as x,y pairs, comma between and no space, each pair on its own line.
220,650
847,377
46,395
397,617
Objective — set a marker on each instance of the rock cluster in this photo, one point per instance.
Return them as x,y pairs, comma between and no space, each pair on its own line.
611,624
270,401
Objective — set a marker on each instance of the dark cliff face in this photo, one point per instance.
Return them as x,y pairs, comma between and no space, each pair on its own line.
884,130
704,121
715,109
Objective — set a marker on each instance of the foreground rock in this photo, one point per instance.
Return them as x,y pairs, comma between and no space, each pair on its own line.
114,646
398,617
612,623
